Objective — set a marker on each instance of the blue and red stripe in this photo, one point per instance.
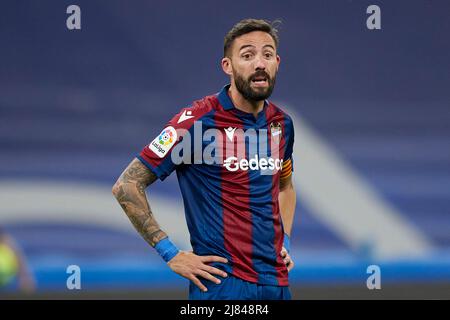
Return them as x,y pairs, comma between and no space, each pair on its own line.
237,215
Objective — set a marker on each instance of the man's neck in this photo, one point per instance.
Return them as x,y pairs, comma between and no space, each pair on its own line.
243,104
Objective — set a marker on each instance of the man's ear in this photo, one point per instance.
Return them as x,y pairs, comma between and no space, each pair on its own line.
226,66
278,61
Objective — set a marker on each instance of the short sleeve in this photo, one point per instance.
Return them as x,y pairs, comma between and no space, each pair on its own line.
158,155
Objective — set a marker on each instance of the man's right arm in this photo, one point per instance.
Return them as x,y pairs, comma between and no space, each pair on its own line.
129,191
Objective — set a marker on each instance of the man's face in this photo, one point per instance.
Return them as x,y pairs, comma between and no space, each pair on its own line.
254,65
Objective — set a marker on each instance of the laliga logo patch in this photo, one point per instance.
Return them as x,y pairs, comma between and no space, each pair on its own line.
166,137
275,130
162,143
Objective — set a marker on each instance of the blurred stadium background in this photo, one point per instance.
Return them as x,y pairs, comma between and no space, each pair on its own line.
372,114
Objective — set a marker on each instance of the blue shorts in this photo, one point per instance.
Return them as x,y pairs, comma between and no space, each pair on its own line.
232,288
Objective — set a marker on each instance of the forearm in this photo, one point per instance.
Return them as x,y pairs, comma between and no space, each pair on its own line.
287,200
129,191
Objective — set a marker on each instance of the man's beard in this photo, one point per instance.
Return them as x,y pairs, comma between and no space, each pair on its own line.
249,93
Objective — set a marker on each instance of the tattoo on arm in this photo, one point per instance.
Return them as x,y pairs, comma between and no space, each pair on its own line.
129,191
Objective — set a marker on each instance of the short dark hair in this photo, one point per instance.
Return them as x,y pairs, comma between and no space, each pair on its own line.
249,25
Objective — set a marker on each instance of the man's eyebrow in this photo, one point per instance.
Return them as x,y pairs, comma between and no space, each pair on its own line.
246,46
269,45
250,45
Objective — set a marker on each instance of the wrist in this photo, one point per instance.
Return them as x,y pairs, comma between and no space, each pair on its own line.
287,242
166,249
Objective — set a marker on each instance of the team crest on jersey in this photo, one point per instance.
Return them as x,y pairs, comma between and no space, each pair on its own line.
164,141
275,130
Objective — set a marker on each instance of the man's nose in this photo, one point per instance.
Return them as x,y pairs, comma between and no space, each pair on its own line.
260,63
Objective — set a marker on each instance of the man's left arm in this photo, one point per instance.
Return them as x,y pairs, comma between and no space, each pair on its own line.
287,199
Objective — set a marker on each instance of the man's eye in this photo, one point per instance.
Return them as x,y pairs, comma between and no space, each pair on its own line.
269,54
247,55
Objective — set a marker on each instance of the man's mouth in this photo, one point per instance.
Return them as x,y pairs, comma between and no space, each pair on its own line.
260,80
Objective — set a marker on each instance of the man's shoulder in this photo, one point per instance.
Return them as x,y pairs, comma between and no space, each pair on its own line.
195,111
207,103
204,106
280,111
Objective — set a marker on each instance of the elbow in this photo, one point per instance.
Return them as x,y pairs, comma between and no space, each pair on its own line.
286,185
116,189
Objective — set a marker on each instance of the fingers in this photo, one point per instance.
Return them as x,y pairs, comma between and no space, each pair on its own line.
215,271
205,275
206,259
208,276
197,282
290,265
286,257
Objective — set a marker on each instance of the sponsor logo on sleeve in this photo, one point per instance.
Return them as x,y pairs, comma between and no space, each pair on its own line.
164,141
